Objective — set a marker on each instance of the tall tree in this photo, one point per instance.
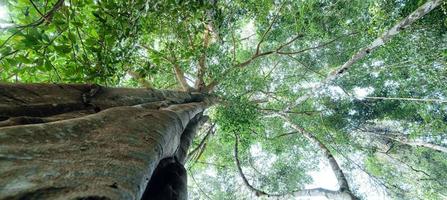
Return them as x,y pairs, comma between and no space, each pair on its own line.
355,89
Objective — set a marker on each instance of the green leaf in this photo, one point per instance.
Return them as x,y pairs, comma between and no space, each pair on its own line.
64,49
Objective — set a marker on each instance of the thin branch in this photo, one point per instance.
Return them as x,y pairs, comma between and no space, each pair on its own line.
406,164
316,47
47,17
200,188
404,140
213,164
258,46
8,54
210,131
37,9
407,99
286,134
246,38
339,194
306,112
241,173
210,87
179,74
327,154
288,43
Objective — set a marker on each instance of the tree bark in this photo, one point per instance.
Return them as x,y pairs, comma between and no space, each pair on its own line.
106,145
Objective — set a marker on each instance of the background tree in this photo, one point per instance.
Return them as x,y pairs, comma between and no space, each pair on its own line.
302,84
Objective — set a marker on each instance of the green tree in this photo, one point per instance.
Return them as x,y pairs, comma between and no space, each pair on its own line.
289,86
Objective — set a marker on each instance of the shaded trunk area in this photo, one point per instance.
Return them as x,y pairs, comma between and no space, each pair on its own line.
89,142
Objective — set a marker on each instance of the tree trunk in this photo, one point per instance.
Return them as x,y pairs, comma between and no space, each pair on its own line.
88,142
344,192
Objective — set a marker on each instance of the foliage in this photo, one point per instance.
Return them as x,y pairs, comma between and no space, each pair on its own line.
125,43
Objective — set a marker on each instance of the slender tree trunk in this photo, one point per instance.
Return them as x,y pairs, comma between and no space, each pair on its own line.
89,142
344,192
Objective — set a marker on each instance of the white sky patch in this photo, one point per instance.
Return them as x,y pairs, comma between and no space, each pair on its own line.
127,77
437,65
189,79
323,177
256,149
377,63
306,85
391,84
361,93
352,112
246,31
262,159
375,74
214,60
363,182
211,171
142,52
157,44
336,93
4,17
3,13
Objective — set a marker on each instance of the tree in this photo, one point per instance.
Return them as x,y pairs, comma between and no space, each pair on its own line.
85,141
289,86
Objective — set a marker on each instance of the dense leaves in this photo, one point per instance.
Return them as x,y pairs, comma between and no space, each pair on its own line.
384,119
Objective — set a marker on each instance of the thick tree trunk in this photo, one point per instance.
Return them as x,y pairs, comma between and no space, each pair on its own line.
89,142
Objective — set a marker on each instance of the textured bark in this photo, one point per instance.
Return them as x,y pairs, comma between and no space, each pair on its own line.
40,100
107,153
187,137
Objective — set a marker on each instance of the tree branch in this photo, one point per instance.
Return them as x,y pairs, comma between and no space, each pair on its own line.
407,99
344,187
181,78
380,41
404,140
385,37
143,82
241,173
314,47
202,143
47,17
202,60
339,194
258,46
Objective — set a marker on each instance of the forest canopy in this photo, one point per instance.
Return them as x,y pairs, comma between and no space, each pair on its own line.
340,96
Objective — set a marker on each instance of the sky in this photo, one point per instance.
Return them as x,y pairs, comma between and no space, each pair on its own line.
4,16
